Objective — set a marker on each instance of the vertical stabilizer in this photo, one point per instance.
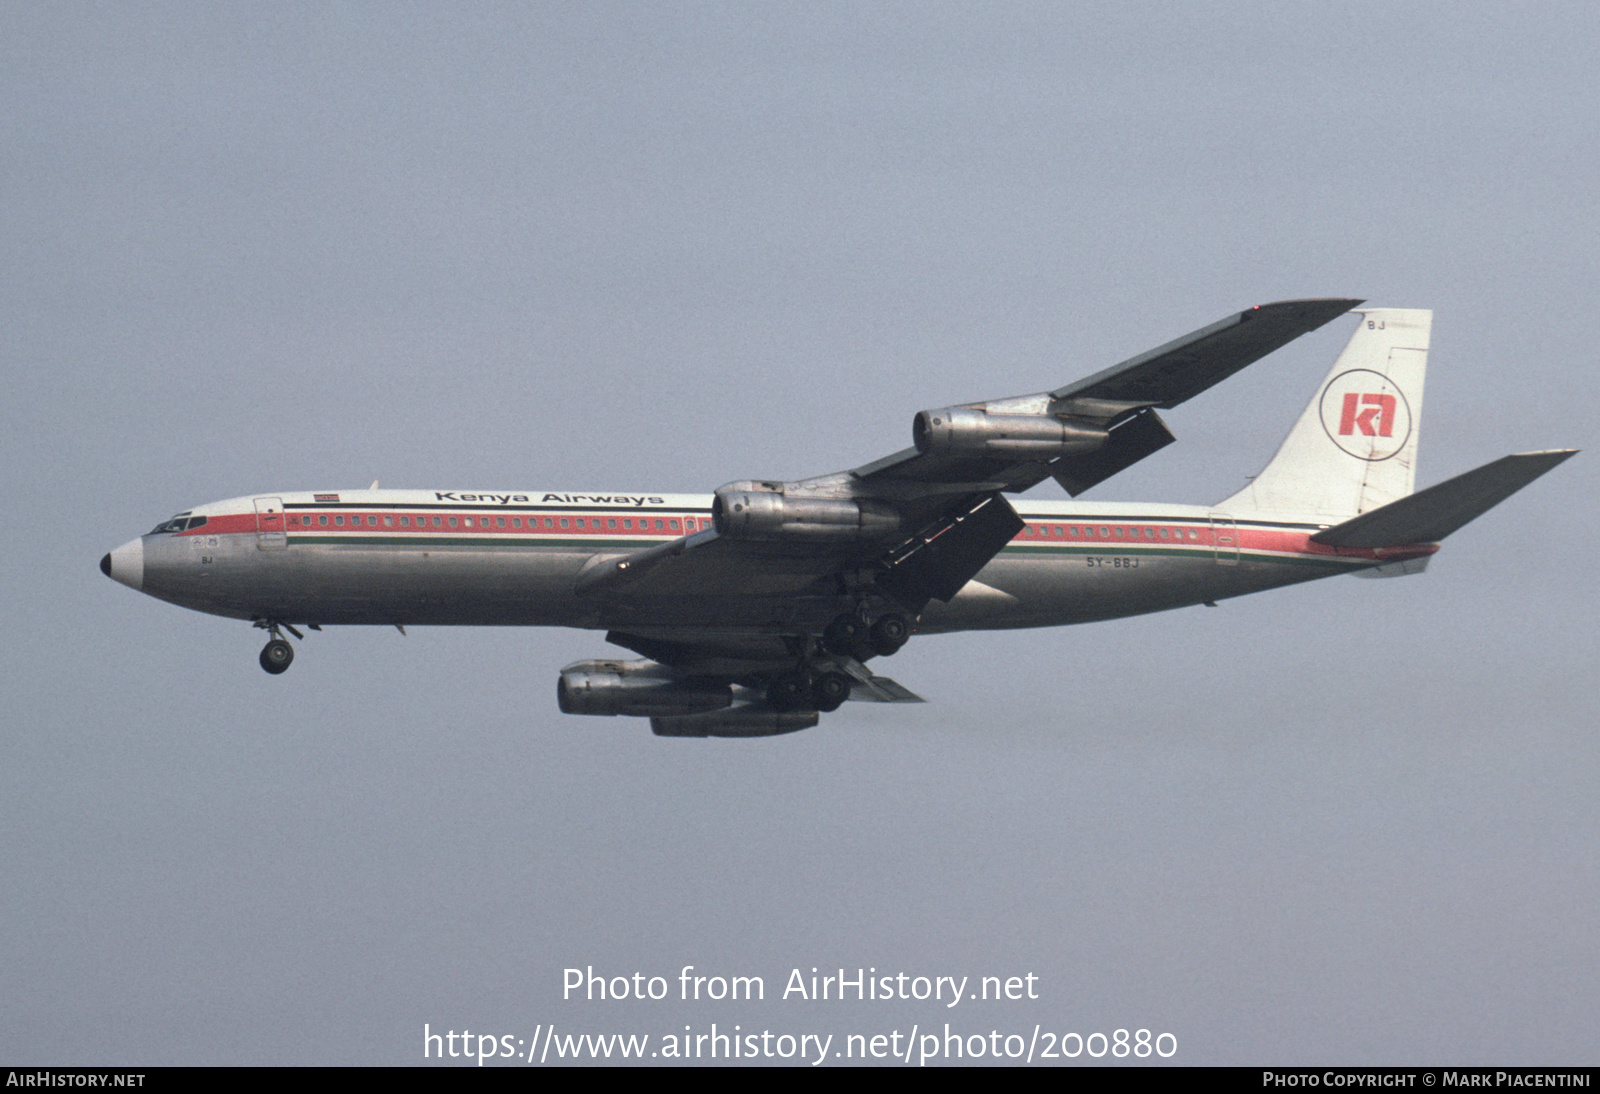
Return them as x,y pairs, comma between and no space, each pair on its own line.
1355,446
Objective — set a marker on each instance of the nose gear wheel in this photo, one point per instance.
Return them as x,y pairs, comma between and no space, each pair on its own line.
276,656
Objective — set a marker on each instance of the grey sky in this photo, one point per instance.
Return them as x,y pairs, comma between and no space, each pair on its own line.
629,247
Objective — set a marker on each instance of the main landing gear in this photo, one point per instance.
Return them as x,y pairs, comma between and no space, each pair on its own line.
277,655
823,688
851,636
805,690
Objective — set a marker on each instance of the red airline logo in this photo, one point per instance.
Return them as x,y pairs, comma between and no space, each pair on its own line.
1366,414
1380,407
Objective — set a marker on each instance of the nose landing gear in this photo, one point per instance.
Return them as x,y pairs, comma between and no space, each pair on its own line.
277,655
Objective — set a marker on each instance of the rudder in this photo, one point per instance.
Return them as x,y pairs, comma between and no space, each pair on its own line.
1354,448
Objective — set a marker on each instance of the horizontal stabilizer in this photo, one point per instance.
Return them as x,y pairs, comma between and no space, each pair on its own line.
1429,516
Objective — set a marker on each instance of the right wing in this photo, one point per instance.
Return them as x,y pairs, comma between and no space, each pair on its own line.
919,524
1121,399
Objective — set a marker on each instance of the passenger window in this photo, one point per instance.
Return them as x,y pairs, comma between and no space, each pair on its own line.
1105,531
372,522
388,522
516,522
499,522
673,525
1164,534
611,522
339,520
564,523
627,522
658,524
453,522
549,522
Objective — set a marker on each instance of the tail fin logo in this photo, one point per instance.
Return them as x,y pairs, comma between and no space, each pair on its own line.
1378,406
1366,414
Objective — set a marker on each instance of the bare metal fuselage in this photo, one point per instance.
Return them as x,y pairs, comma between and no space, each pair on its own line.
468,565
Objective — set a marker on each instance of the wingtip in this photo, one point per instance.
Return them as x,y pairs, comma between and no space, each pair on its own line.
1337,304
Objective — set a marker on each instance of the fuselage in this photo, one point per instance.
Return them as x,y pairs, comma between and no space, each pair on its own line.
477,558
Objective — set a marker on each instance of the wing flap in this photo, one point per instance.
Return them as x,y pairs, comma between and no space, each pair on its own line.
1432,514
1131,441
936,564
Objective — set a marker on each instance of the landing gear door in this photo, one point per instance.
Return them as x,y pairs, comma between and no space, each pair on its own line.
1225,539
271,535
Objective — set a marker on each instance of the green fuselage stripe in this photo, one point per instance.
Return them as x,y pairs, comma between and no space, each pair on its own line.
1200,551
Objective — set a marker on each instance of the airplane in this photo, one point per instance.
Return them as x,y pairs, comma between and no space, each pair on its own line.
755,609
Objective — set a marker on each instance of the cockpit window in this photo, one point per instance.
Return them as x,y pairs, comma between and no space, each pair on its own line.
178,523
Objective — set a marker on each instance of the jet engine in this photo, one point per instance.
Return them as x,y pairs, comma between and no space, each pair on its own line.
752,510
963,431
635,687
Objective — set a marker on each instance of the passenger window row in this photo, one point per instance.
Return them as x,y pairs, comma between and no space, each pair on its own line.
1074,531
425,521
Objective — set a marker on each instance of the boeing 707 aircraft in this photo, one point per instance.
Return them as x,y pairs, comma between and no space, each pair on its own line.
756,608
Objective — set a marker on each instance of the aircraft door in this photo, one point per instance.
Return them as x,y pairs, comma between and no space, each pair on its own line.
1224,539
271,535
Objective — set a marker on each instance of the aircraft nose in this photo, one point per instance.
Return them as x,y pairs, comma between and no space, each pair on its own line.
126,564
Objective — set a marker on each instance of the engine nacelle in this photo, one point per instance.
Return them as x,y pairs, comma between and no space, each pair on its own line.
751,510
741,721
637,688
963,431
